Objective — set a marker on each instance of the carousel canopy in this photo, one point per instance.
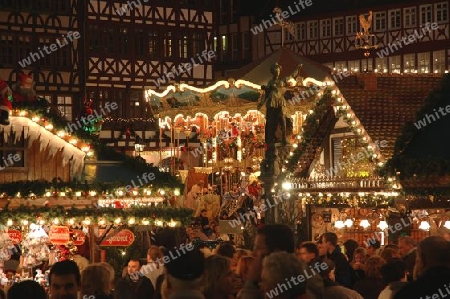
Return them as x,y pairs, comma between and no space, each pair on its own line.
258,71
240,92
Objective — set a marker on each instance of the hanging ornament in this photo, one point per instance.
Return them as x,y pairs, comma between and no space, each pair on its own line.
35,247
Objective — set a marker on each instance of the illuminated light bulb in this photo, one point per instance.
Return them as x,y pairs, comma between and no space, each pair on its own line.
162,192
85,148
92,193
102,222
78,193
131,221
176,192
286,185
25,222
159,223
172,223
9,222
272,190
117,221
148,192
55,221
295,145
364,223
23,113
446,225
424,225
123,253
48,194
348,223
62,193
135,192
61,133
120,193
339,224
382,225
145,222
72,221
90,154
49,127
35,118
87,221
41,221
73,141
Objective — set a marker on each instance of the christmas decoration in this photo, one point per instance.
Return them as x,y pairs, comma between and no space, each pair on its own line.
91,122
23,90
6,245
5,103
35,249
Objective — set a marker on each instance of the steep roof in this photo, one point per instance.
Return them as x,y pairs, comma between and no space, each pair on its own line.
258,72
383,112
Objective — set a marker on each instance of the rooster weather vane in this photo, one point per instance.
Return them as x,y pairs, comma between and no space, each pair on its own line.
289,25
364,40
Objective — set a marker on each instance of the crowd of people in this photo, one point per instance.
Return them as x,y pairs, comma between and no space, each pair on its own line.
276,268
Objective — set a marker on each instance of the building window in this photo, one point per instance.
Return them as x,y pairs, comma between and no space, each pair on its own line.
234,47
340,66
12,150
354,65
94,41
246,45
394,64
300,31
6,54
439,61
109,40
168,44
224,43
381,64
395,20
380,21
410,16
152,43
325,28
425,14
288,36
338,26
122,41
46,60
351,25
409,63
139,43
23,47
64,105
423,60
313,30
441,12
183,46
135,104
198,43
367,65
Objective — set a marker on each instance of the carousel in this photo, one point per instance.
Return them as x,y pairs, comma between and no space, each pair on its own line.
217,134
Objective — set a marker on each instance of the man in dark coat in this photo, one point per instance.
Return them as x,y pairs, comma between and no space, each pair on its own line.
343,270
134,285
432,269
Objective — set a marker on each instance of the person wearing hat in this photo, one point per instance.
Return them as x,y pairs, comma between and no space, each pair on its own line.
5,103
185,275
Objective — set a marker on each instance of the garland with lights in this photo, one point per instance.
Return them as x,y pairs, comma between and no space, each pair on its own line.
150,215
360,199
312,124
413,167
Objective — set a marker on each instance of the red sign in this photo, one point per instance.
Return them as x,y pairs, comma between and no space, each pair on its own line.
79,238
59,235
123,238
15,236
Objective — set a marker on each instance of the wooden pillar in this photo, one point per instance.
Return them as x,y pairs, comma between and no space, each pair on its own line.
92,243
102,255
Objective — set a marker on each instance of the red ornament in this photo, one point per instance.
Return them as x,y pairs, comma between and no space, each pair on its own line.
118,205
